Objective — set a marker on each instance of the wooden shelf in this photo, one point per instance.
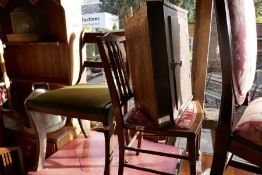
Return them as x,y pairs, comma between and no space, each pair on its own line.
41,43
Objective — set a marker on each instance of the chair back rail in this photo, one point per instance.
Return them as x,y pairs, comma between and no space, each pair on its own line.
114,61
90,37
11,162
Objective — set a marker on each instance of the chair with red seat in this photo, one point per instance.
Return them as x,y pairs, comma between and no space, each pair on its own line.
113,55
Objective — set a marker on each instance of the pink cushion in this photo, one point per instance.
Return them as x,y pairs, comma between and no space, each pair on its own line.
185,121
137,117
244,40
187,118
250,124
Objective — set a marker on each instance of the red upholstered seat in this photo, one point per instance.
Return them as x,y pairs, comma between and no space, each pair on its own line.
250,125
137,117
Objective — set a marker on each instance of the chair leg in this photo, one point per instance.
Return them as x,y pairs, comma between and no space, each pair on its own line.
2,130
192,144
127,136
107,153
219,156
108,133
121,144
139,141
82,128
198,145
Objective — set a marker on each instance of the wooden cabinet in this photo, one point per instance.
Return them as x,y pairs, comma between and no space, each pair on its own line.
53,56
41,38
158,52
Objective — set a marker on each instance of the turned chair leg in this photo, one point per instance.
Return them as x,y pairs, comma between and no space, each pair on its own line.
108,134
219,157
121,154
139,141
82,128
192,144
198,146
127,136
108,152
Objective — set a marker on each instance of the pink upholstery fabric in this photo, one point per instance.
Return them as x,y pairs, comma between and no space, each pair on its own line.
250,124
187,118
185,121
135,116
243,26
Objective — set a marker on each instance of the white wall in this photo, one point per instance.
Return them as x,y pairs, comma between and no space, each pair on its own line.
100,20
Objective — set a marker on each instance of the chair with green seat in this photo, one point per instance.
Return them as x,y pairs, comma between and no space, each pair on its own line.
81,101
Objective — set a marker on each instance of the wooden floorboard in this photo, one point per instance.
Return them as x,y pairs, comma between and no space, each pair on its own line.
206,164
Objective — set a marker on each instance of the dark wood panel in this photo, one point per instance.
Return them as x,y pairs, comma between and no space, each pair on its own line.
51,21
38,62
2,132
139,52
141,66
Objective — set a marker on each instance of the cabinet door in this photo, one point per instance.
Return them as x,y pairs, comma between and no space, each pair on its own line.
178,57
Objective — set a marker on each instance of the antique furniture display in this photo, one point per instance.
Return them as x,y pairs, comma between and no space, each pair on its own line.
236,24
113,55
12,126
157,40
81,101
40,47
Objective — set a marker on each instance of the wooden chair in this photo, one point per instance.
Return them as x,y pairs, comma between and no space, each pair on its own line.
237,40
11,162
112,52
81,101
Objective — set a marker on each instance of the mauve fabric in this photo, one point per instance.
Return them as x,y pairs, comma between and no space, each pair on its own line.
244,40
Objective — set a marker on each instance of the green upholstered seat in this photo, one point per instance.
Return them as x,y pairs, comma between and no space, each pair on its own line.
81,99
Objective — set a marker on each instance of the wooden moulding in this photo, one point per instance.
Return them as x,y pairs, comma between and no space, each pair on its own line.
25,37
